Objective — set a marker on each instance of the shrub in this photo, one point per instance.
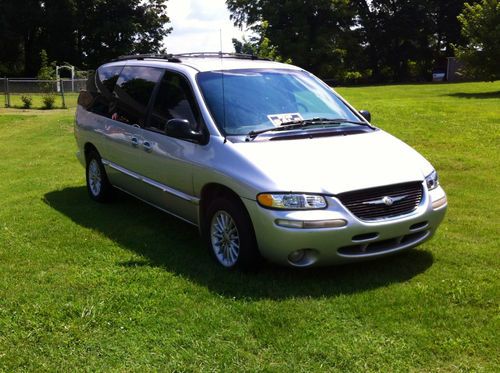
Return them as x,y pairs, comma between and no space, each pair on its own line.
352,77
27,101
48,101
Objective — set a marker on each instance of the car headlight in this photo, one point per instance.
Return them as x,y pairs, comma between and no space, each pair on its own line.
432,180
291,201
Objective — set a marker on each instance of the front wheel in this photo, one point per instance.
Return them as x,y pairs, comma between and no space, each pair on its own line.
230,235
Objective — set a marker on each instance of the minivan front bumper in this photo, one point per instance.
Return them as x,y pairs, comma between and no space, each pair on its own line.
355,241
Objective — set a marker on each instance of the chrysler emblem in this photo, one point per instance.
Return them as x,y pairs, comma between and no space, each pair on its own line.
388,201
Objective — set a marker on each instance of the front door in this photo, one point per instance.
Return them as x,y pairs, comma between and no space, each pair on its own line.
168,162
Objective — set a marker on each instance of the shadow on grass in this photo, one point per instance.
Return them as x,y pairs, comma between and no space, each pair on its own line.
478,95
166,242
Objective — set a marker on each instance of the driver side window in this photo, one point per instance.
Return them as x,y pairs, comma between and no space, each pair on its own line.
174,100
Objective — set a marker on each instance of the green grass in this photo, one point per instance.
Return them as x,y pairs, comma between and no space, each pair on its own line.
124,287
17,103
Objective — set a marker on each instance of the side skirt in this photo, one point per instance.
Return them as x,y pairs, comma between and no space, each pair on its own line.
153,205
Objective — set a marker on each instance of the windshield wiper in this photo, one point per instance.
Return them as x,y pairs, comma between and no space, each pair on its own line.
302,124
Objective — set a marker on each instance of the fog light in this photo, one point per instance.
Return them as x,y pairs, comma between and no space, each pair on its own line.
297,256
440,202
303,258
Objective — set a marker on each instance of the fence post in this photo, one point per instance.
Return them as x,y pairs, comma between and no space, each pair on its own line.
62,93
7,91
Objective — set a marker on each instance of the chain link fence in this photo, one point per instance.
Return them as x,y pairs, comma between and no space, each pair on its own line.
62,93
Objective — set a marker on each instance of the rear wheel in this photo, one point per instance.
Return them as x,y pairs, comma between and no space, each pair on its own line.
98,185
230,235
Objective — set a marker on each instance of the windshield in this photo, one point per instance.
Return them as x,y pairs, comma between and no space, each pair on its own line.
258,99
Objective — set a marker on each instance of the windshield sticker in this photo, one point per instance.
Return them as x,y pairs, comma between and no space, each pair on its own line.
279,119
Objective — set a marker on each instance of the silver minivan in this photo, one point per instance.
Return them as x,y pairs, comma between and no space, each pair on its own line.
266,159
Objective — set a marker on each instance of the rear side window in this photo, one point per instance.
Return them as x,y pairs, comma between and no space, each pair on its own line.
175,100
98,96
133,91
106,78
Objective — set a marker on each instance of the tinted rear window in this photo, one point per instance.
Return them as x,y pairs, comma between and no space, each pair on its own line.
133,91
98,96
106,78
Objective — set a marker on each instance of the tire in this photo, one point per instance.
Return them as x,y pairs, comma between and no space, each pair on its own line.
98,186
230,236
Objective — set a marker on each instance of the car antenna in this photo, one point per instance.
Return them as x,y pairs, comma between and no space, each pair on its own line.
223,89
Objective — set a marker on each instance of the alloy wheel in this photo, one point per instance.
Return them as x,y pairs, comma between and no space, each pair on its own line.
225,239
95,177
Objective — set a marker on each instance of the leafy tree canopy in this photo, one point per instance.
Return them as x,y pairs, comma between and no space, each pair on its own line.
82,32
314,34
481,29
371,40
259,46
403,39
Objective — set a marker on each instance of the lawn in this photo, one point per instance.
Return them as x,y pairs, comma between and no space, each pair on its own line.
16,101
124,287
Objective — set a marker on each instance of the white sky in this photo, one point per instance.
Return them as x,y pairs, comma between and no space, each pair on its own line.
197,24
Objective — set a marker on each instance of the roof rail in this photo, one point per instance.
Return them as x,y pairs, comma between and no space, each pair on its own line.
219,55
177,57
168,57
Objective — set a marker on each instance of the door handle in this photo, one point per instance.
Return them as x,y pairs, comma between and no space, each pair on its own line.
147,146
135,142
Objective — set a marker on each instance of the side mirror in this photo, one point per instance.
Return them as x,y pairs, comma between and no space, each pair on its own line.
366,114
181,129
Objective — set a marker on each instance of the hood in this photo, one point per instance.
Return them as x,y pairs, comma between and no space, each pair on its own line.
333,165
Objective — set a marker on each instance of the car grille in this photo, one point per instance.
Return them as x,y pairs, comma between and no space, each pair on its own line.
368,204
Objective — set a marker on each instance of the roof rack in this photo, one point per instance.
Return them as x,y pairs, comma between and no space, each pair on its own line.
177,57
168,57
219,55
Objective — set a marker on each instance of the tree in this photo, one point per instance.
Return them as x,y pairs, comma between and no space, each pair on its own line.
82,32
444,15
47,71
400,37
314,34
259,46
109,28
387,40
481,28
20,31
